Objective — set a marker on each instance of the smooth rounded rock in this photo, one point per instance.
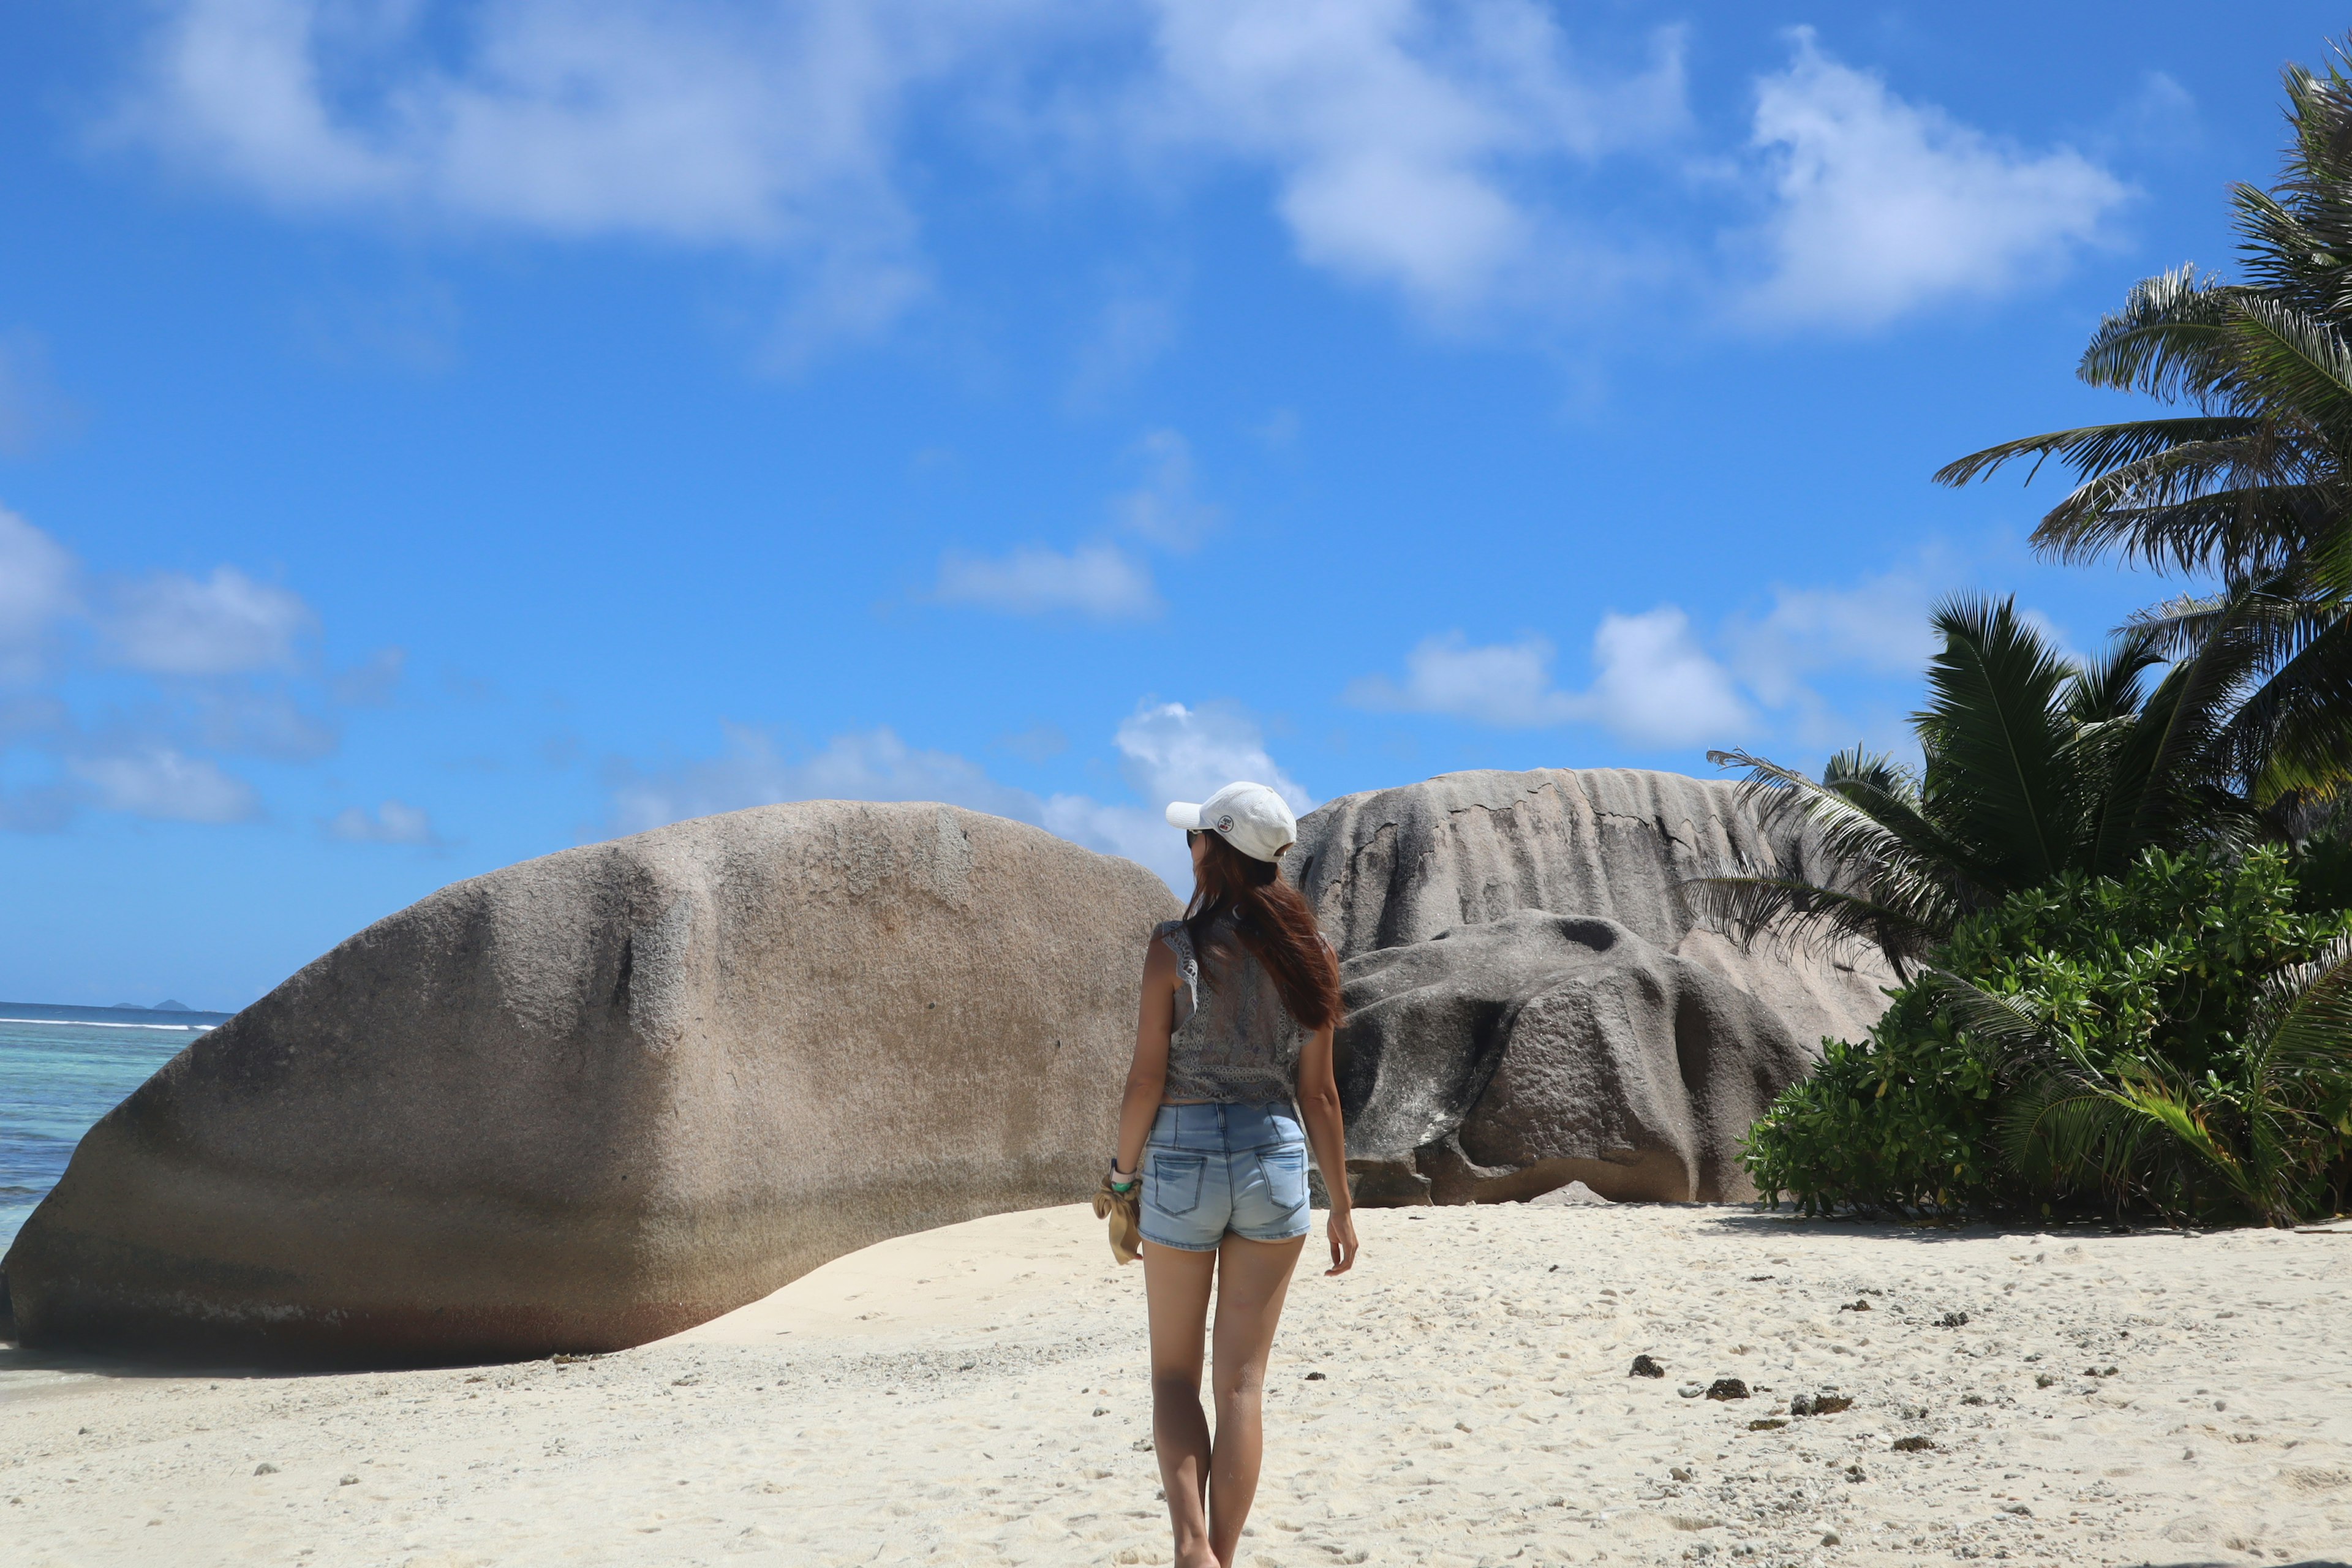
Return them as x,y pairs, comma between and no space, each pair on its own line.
1531,1001
598,1098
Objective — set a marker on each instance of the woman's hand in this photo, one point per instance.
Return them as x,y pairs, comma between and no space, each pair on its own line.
1340,1230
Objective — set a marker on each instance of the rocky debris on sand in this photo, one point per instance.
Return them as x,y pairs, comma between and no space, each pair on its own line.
1690,1391
1646,1366
1530,999
1727,1388
1953,1321
597,1098
1768,1423
1855,1306
1819,1403
1913,1445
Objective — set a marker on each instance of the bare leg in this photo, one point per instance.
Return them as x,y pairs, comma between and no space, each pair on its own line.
1252,1278
1176,1285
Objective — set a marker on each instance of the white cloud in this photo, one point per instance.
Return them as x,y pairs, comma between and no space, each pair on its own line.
391,823
873,766
1654,684
1168,751
170,624
1098,581
1401,133
1508,685
1886,206
154,780
766,127
38,589
1400,129
1165,508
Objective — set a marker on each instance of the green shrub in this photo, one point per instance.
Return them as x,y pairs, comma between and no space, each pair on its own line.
2093,1041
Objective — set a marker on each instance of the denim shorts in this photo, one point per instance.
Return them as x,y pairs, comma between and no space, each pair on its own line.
1211,1169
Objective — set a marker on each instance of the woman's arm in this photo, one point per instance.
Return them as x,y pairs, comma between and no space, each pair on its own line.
1147,1074
1326,1134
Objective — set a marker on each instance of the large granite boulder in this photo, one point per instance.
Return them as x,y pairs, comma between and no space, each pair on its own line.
598,1098
1531,999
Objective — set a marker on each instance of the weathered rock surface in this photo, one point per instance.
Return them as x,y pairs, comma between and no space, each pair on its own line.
1530,999
598,1098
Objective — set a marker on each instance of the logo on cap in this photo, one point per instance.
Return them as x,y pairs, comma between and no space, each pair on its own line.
1225,824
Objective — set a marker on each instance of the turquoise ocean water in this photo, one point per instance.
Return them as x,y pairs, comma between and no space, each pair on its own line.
61,1069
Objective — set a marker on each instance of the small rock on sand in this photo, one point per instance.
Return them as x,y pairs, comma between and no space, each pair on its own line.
1727,1388
1646,1366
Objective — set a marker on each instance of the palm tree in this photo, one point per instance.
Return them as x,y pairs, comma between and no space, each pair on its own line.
2254,488
2034,767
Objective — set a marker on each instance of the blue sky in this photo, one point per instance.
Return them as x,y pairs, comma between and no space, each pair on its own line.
434,435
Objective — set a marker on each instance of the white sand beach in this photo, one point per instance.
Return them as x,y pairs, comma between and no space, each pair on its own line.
977,1395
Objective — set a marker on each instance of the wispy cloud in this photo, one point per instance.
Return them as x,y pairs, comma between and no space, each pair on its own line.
1653,684
875,764
1167,750
227,624
1883,205
1658,682
1401,134
1101,582
391,823
1166,508
39,588
764,128
1438,150
34,411
1508,685
165,783
189,670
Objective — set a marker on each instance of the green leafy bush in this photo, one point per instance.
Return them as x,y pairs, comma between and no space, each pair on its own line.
2175,1039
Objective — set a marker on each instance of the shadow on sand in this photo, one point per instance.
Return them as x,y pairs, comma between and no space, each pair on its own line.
16,1361
1748,1219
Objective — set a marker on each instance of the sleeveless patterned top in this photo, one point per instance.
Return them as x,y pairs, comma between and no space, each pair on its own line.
1233,1042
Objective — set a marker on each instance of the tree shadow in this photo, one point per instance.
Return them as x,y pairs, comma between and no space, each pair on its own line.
15,1360
1751,1220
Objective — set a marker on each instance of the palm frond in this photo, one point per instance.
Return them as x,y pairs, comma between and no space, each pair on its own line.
2168,341
1750,905
2108,687
1993,736
2096,448
2297,364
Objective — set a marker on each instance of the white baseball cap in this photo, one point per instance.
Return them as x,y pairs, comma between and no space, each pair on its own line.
1254,819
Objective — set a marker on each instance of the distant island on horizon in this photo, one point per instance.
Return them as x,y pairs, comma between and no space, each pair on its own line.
169,1011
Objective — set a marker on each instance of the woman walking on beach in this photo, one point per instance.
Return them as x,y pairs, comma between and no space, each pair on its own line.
1233,1053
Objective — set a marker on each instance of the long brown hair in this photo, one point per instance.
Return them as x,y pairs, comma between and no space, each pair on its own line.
1274,923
